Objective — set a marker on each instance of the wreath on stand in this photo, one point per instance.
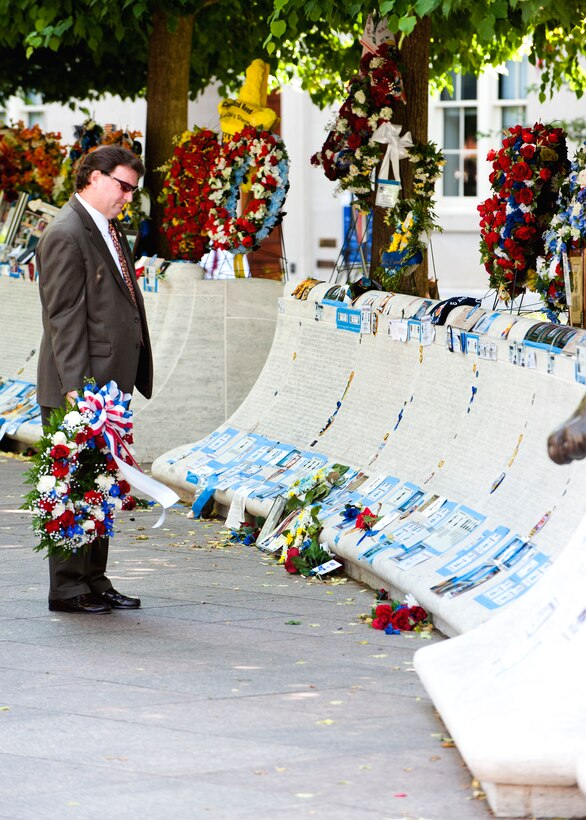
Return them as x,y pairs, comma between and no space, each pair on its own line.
566,233
256,160
528,171
185,193
350,152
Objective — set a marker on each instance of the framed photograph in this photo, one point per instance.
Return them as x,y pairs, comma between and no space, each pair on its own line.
269,528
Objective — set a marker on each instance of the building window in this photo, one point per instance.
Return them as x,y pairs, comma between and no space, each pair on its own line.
513,93
35,118
460,129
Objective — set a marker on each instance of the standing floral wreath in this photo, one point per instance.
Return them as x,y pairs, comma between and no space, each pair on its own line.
185,193
350,153
528,171
77,486
567,232
258,158
30,161
412,220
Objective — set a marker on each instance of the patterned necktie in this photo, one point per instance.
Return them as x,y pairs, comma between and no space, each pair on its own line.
123,264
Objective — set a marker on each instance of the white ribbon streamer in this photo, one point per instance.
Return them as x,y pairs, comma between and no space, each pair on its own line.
164,495
397,147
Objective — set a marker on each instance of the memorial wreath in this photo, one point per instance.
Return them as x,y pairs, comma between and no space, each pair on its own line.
350,152
528,171
77,486
257,161
185,193
566,233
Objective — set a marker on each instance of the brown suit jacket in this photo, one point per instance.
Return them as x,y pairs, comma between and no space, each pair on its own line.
91,326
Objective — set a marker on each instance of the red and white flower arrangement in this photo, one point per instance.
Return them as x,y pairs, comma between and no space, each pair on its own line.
257,161
350,153
185,193
394,617
77,487
528,171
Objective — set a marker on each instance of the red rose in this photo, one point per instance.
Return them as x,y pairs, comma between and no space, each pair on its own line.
92,497
400,619
248,241
67,519
521,171
292,552
129,503
383,611
82,436
47,505
124,486
59,451
111,466
525,195
545,174
100,527
417,614
59,469
362,519
100,442
527,151
524,233
380,623
52,526
354,142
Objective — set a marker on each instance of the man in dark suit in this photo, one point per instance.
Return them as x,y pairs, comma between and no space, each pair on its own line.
94,326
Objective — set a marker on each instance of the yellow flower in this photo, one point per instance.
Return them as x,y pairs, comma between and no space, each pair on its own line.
289,538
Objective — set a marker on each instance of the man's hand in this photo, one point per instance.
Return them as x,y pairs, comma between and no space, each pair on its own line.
71,397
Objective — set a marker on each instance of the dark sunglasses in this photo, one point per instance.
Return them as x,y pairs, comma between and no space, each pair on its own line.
127,188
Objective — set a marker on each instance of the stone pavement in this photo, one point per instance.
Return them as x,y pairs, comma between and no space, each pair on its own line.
236,692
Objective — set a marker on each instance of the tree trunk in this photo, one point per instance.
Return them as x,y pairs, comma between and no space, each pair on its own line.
413,116
167,98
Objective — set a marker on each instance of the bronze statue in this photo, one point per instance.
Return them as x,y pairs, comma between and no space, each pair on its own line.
568,442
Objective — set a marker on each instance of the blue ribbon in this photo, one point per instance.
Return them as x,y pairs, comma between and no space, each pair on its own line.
204,497
367,534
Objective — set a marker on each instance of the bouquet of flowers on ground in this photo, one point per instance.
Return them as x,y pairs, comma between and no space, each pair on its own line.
528,171
394,617
77,487
566,233
299,544
302,552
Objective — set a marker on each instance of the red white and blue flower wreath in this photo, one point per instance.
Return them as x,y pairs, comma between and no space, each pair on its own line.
79,472
257,160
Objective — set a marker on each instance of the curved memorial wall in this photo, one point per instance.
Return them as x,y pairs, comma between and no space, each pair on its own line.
444,427
446,424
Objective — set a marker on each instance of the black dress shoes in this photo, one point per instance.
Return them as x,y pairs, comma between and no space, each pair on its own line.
89,603
116,600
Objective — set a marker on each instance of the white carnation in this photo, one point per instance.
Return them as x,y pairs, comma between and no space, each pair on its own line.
46,483
104,482
59,438
58,509
73,419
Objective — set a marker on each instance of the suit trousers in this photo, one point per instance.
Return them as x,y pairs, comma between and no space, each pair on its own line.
85,571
